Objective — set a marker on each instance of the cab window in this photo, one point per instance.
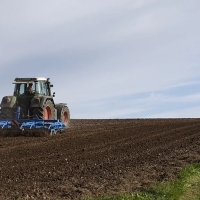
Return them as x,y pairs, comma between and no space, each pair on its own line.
43,88
20,88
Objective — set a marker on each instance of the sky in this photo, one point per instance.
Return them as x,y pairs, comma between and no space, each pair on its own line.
109,58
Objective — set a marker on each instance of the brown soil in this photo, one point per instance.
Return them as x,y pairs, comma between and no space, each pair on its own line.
97,157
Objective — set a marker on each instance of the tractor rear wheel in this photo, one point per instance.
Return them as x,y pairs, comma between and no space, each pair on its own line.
46,112
63,114
37,112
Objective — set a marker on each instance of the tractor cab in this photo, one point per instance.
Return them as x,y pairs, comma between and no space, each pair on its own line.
40,86
29,92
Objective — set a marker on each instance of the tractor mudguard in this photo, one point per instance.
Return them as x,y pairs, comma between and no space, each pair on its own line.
9,102
8,107
39,101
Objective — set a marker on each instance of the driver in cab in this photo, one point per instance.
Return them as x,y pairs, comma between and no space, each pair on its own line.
29,89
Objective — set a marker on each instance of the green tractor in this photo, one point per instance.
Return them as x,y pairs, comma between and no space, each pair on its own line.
34,97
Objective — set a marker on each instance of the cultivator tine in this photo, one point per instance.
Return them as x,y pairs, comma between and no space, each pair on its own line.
51,125
5,124
34,127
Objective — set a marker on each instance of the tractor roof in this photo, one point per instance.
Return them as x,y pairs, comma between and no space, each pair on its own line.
27,80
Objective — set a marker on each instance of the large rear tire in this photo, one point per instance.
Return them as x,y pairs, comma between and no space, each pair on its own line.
46,112
63,114
37,112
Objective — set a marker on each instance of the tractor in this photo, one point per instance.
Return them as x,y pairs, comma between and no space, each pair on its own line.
34,98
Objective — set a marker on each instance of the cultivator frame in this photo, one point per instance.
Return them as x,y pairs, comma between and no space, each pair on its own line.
34,124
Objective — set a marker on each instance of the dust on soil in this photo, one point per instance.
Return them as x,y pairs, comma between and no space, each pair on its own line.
97,157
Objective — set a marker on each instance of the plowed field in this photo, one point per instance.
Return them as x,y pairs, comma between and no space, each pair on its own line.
96,157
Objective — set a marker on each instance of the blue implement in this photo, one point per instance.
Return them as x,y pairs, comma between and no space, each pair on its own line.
52,126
